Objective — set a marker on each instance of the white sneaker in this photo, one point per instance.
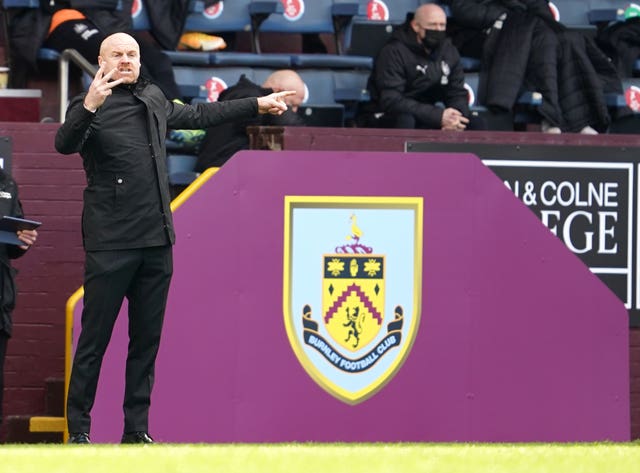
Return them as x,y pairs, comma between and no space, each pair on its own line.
587,130
547,128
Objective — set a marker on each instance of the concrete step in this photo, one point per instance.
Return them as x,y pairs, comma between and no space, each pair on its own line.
18,431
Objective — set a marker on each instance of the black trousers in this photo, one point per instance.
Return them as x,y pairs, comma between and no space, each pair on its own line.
4,338
143,277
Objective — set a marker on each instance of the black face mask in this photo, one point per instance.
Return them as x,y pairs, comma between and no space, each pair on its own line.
433,38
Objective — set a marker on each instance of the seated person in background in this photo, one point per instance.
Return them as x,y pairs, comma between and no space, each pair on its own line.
223,141
56,25
415,71
522,47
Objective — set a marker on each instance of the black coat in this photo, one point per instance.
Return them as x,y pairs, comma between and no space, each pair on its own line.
529,50
586,76
127,199
28,27
407,79
482,14
9,205
224,140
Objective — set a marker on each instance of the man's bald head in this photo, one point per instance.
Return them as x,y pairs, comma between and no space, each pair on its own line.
428,17
286,79
430,14
121,52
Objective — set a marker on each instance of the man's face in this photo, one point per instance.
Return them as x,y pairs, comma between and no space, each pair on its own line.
121,52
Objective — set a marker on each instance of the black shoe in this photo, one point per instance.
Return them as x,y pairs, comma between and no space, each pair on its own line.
79,437
136,437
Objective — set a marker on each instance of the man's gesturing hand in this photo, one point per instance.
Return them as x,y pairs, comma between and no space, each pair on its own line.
100,89
274,103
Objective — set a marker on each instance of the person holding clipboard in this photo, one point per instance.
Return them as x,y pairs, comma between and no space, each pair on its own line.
12,245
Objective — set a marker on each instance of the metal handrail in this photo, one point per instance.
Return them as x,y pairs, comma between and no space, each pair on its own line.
63,75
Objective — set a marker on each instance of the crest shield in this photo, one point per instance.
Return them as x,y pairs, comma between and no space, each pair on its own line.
352,288
353,298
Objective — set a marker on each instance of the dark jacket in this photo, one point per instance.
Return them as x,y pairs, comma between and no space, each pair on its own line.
508,49
28,27
224,140
9,205
126,202
586,76
529,50
407,79
482,14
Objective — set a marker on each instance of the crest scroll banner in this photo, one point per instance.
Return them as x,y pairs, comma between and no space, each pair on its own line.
352,288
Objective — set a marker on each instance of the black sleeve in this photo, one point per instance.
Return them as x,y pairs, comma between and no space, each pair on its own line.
72,133
14,251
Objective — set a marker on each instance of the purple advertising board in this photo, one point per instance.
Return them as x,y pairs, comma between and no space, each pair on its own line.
375,297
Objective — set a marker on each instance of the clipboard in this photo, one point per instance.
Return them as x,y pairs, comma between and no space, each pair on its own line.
9,226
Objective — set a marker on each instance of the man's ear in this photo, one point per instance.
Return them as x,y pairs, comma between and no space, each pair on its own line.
414,26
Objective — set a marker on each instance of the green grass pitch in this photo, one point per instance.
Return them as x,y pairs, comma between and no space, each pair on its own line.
323,458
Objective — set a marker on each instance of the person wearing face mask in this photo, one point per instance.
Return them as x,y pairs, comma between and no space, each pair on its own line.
417,79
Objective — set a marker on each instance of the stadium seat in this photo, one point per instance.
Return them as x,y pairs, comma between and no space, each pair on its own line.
605,11
322,115
524,110
235,16
350,85
365,37
629,124
471,83
318,17
350,90
321,85
631,91
308,17
371,29
232,16
393,11
139,17
181,169
572,13
21,3
321,98
207,82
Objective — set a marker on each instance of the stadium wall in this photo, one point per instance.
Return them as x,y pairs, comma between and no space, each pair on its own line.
51,190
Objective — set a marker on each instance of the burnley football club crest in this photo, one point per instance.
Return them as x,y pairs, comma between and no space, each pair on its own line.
352,286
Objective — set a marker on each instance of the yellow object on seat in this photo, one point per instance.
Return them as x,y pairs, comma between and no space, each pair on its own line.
201,41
